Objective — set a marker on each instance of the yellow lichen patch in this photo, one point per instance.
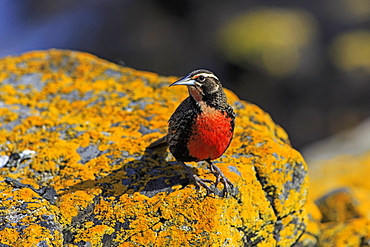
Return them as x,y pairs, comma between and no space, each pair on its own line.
34,234
71,204
341,191
336,173
314,218
22,213
94,234
353,233
291,228
9,236
7,115
89,123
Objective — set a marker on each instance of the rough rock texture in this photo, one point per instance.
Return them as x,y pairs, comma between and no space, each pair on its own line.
91,181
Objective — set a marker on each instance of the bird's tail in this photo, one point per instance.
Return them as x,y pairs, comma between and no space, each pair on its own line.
159,142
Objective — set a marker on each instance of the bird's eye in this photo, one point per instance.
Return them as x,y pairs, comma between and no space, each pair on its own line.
201,78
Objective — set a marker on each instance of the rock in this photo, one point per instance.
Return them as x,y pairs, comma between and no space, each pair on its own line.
338,206
350,233
26,218
93,180
313,230
339,185
346,220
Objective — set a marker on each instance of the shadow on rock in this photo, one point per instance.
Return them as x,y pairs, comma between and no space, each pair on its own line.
149,175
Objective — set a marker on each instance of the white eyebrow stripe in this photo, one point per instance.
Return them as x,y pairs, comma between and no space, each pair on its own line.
206,75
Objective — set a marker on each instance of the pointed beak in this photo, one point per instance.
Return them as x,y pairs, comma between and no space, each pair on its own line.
184,81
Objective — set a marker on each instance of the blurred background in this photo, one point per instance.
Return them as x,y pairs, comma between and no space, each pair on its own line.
307,63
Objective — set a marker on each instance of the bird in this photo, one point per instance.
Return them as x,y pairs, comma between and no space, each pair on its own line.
202,126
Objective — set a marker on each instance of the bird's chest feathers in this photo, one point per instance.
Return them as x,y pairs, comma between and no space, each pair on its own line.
211,133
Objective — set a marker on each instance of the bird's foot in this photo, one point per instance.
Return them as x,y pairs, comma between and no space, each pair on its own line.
202,182
220,177
199,182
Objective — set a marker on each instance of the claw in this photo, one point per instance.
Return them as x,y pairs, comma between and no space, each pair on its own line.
220,177
199,181
202,182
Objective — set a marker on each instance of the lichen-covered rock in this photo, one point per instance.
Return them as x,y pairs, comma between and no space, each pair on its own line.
340,187
313,228
93,181
351,233
338,206
26,218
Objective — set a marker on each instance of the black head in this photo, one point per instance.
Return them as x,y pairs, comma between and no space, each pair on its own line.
201,84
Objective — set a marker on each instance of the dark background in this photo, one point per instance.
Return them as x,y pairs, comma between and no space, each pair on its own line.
307,63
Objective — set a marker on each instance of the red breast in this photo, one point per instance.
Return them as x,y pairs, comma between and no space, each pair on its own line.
211,134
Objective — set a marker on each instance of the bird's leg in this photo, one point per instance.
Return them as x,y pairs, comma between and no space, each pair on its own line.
197,180
220,177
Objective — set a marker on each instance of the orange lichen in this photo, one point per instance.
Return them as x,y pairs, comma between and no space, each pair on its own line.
93,234
89,122
7,115
34,234
9,236
342,194
314,218
71,204
353,233
336,173
24,207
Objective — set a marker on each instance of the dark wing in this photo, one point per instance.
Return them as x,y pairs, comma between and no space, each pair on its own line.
179,125
231,114
180,128
161,141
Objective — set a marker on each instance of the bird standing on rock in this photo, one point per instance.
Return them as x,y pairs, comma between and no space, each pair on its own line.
202,126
